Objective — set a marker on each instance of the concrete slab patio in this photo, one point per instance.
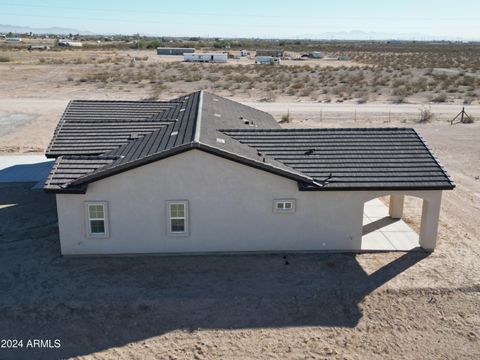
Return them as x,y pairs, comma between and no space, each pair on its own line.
382,233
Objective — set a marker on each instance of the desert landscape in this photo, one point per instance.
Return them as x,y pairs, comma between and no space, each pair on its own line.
345,306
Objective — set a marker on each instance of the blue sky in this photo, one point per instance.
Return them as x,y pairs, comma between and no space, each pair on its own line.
250,18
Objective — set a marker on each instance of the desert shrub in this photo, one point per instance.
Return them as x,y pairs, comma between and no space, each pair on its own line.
286,118
4,59
398,100
426,115
440,98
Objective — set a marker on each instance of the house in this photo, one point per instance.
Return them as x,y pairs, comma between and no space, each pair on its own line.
202,173
205,57
174,51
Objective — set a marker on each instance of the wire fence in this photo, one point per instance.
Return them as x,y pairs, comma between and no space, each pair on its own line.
357,115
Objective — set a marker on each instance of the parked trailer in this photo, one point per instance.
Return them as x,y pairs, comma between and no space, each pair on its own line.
267,60
13,40
38,47
69,43
211,57
174,51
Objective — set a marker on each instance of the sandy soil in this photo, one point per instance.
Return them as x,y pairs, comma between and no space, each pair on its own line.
343,306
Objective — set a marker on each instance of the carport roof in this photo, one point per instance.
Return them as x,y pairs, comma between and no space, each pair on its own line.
97,139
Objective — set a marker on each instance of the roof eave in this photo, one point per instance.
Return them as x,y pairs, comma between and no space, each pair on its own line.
304,187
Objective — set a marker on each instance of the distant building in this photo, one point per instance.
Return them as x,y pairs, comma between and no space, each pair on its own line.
270,52
267,60
206,57
174,51
316,54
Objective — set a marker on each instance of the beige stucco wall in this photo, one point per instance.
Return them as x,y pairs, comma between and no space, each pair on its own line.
230,206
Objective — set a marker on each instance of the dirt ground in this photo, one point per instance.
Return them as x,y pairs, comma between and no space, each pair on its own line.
338,306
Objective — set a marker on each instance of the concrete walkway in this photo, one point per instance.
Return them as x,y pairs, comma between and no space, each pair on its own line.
382,233
25,168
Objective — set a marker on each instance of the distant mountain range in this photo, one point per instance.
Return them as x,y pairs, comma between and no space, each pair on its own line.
346,35
50,30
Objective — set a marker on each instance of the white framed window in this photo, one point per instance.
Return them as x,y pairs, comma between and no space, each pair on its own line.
177,218
284,206
96,214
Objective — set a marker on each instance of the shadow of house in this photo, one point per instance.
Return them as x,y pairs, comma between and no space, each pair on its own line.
92,304
37,172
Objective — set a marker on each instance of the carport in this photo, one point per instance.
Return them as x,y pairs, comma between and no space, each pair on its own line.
384,230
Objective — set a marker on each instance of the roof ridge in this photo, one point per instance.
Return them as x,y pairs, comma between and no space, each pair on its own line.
198,119
318,129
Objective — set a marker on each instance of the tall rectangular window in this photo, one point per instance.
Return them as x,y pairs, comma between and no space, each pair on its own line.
97,216
177,217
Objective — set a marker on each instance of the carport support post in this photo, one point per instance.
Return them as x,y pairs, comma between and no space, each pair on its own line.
395,209
429,226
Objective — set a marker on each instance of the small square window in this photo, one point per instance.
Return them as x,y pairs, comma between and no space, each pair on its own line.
284,206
